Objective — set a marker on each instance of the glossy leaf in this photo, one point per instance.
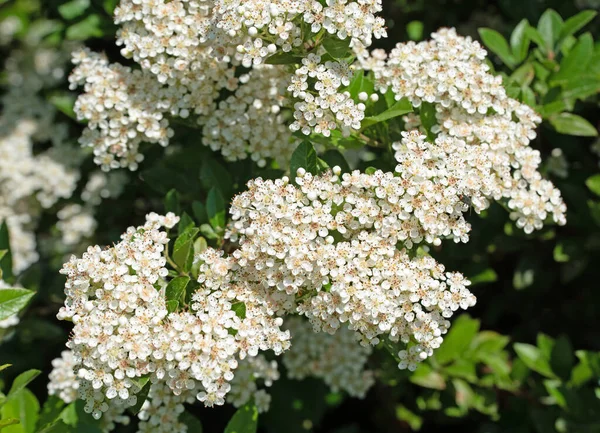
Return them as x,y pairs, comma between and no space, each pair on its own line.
245,420
13,300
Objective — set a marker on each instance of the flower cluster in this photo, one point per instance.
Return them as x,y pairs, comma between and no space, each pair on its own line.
123,331
75,223
122,108
250,122
472,109
244,386
25,175
192,52
332,243
64,383
321,107
336,359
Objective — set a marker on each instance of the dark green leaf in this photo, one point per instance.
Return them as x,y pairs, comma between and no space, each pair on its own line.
13,300
141,396
172,202
193,424
283,59
214,175
6,261
562,358
215,209
338,48
245,420
304,157
199,212
175,288
334,157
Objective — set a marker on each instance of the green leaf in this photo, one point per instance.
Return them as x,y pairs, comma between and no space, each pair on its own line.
333,157
87,28
193,424
172,202
6,260
426,377
338,48
8,422
414,29
199,212
185,222
245,420
536,37
400,108
576,23
175,288
183,248
498,45
412,419
109,6
51,409
21,381
13,300
486,276
141,395
283,59
74,416
23,406
533,358
73,9
356,84
576,62
523,75
572,124
461,333
593,183
215,209
527,96
64,102
214,175
240,309
5,366
519,41
172,306
562,358
304,157
550,26
428,118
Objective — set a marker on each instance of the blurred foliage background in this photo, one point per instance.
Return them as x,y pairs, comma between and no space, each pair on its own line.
525,359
